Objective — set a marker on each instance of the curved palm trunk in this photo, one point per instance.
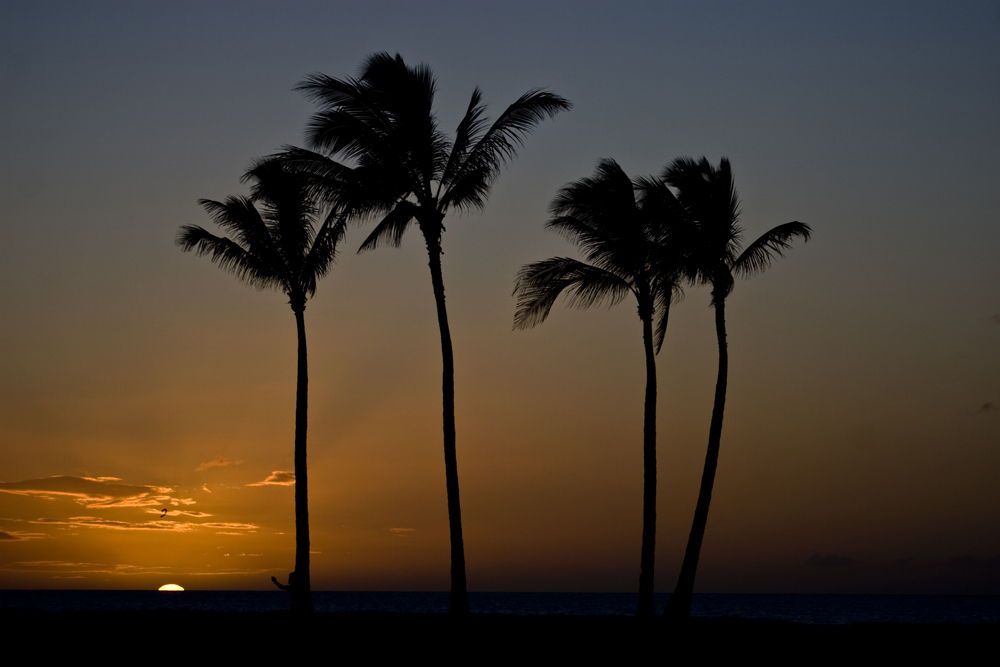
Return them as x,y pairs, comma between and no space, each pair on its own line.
647,559
300,590
679,606
459,593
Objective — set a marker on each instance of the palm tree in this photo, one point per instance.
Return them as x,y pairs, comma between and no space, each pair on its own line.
277,246
631,234
710,201
407,171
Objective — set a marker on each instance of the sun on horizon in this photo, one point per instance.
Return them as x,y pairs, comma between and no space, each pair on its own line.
170,587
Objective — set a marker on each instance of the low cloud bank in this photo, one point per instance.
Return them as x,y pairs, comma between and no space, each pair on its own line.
95,492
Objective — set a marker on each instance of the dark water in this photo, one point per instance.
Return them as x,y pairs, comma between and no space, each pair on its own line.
826,609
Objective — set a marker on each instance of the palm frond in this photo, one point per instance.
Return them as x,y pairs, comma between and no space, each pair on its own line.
230,257
758,255
474,178
709,199
538,285
322,180
467,134
390,230
666,292
323,252
600,216
240,217
384,121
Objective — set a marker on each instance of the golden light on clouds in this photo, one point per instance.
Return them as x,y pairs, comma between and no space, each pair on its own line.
277,478
95,492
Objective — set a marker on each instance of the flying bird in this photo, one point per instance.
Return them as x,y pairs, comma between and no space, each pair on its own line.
164,512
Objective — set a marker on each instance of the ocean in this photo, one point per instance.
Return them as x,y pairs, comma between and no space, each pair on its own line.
815,609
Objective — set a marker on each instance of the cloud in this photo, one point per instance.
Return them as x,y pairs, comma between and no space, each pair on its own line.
194,515
277,478
248,527
95,492
17,536
401,532
220,462
833,560
988,407
71,570
161,525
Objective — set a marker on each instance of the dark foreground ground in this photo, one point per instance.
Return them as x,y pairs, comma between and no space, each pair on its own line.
365,637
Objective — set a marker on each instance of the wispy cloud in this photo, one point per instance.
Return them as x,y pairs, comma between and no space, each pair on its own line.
160,525
66,569
277,478
218,462
17,536
95,492
833,560
193,515
75,570
401,532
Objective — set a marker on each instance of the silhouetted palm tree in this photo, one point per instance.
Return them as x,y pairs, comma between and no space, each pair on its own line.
711,203
632,235
277,247
407,171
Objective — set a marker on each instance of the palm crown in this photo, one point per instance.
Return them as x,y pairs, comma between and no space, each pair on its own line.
709,198
275,246
405,166
630,236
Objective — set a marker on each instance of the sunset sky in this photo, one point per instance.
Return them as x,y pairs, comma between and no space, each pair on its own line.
861,446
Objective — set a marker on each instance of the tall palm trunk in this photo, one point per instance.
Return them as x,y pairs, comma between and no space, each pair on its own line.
300,587
679,606
459,593
647,558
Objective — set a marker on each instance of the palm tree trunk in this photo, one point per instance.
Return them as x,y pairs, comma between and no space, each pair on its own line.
459,593
647,559
679,606
300,588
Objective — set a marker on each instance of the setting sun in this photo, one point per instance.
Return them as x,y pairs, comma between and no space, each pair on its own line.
170,587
